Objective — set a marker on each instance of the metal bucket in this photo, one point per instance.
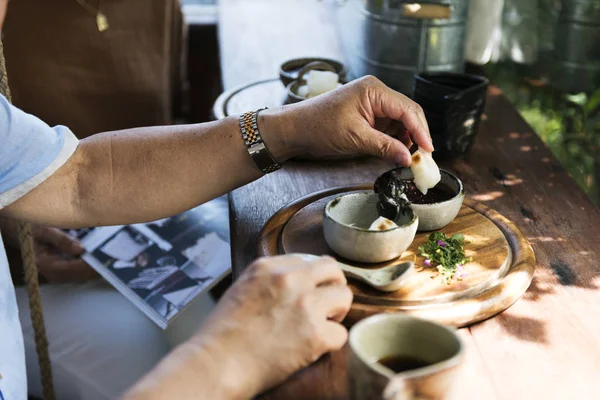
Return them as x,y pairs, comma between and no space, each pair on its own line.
394,40
577,50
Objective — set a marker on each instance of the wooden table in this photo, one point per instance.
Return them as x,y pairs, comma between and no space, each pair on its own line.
547,345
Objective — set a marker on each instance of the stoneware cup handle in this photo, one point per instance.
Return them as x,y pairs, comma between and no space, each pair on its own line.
397,389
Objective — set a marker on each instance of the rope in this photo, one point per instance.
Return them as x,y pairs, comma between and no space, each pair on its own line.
31,276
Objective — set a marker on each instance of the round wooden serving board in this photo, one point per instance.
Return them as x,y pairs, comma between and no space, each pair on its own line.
501,270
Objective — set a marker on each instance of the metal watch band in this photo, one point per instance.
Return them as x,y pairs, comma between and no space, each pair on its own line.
256,147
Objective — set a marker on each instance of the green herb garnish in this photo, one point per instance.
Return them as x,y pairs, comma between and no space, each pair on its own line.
447,254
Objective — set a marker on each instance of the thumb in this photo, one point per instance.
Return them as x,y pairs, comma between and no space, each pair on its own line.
384,146
61,241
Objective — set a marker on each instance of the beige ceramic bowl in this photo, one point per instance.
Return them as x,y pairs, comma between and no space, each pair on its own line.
346,221
437,215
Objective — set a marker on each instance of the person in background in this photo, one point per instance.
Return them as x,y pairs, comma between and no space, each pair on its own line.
62,69
131,74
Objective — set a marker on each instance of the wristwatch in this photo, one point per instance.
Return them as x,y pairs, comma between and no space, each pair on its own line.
256,147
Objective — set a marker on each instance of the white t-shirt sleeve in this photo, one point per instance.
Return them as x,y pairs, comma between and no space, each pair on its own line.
30,151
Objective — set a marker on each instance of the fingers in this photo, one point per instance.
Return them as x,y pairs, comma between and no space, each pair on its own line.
318,270
335,335
404,137
389,103
56,269
60,240
397,106
424,122
325,270
395,129
332,301
381,145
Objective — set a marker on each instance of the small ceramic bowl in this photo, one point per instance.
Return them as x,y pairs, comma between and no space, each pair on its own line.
435,216
346,221
289,70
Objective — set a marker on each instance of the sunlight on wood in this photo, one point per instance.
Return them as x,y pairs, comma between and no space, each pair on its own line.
476,240
512,182
488,196
545,239
525,148
470,253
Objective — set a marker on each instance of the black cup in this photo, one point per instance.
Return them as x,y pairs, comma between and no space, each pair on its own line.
453,104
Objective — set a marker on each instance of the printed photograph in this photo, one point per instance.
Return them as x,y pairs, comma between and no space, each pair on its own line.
166,263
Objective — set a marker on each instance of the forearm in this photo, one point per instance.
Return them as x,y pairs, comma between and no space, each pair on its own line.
148,173
190,372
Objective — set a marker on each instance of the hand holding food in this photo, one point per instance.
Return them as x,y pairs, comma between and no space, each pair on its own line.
343,123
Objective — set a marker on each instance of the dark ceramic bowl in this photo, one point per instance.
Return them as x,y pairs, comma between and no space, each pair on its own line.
434,216
289,70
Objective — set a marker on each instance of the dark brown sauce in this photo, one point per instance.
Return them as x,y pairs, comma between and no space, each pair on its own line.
440,192
402,363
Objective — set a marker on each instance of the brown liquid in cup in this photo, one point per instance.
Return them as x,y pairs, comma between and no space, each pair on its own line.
402,363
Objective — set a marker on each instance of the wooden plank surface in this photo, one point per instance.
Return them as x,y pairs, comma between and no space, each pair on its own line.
545,346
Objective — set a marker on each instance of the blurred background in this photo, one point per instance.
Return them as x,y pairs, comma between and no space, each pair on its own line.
546,59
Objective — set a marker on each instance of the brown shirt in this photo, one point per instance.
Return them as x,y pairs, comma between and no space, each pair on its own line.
63,70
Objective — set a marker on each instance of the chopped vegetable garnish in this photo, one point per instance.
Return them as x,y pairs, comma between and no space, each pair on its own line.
447,254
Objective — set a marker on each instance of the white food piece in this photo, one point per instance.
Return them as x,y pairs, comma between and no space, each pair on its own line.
319,82
303,91
425,170
382,224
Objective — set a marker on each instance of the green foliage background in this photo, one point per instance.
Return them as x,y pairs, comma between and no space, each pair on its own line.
568,123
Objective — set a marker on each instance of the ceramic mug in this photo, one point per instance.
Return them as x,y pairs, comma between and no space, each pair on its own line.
453,104
426,354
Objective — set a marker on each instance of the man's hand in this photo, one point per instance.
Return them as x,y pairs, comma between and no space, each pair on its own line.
282,314
57,254
361,117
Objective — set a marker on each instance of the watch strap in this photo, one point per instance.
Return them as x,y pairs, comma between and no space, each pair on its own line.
254,143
